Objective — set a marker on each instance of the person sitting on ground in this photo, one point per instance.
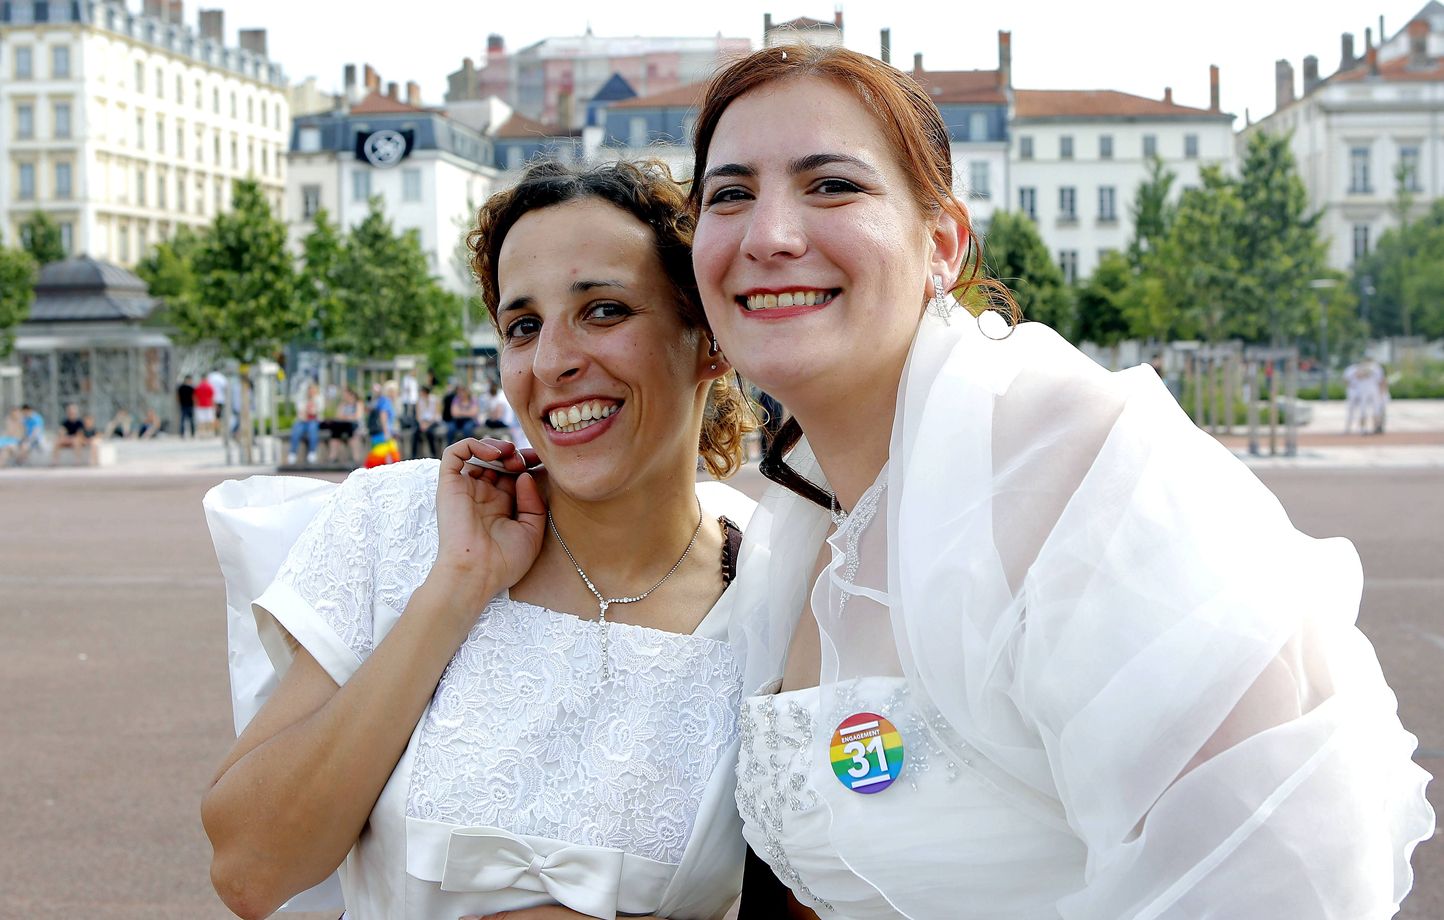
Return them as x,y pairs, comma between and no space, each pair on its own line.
430,431
151,426
32,440
343,428
119,424
464,410
10,437
497,409
77,433
308,423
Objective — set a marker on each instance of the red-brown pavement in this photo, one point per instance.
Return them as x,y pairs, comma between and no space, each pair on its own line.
114,708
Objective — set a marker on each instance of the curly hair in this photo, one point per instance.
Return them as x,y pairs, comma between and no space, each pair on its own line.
647,191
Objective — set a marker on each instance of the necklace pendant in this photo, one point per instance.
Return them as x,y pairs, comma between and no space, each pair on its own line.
602,608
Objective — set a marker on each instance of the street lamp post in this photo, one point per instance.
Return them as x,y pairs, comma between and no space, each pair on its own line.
1320,284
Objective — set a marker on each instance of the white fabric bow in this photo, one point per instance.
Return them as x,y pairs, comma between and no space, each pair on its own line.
585,879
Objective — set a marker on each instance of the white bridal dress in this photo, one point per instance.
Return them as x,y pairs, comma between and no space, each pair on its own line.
529,779
1124,685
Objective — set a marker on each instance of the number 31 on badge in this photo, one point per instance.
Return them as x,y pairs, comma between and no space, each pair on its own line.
866,753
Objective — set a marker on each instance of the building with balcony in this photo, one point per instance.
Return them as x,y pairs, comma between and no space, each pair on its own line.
124,126
1358,134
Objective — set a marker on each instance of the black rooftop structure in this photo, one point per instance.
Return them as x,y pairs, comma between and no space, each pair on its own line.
86,290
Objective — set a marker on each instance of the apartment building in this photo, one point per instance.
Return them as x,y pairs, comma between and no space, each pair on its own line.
124,126
1356,133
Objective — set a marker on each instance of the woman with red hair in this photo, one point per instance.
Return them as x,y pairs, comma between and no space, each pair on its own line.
1044,649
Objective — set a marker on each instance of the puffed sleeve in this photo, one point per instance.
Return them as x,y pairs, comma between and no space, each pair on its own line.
1219,731
352,571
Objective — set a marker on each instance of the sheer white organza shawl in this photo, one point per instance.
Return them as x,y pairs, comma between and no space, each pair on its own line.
1118,625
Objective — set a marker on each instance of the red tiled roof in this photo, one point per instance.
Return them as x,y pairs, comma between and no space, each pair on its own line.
1395,71
1098,103
683,97
518,125
379,104
959,86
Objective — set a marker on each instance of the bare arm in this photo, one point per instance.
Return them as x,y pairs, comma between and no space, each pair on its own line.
295,791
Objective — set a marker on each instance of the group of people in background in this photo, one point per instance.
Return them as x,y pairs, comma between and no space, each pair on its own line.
405,418
202,403
1366,388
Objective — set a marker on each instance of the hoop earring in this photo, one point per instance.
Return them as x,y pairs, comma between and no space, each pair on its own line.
940,304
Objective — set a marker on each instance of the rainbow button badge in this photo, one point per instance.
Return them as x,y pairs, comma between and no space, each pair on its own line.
866,753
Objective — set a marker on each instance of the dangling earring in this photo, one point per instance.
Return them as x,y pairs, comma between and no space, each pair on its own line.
940,305
713,351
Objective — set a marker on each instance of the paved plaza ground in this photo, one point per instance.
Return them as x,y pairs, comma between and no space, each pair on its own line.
114,707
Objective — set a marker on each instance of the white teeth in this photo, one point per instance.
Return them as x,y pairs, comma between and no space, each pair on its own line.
581,415
788,299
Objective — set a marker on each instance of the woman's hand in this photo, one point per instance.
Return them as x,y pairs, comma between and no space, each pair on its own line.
490,525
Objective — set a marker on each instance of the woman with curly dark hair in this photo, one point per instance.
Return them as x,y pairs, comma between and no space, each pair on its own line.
511,688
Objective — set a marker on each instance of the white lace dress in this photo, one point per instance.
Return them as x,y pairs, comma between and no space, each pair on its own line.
529,780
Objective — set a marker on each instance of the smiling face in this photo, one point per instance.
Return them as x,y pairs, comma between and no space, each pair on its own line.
812,255
607,380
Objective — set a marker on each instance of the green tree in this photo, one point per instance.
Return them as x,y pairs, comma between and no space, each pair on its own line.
1152,211
41,238
391,303
1407,271
1100,303
1278,244
17,291
1196,266
168,270
322,284
1015,254
245,299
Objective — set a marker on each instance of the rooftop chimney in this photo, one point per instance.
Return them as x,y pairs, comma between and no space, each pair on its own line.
495,45
1168,95
254,41
1368,40
1418,43
349,79
837,17
370,79
413,93
1005,58
1373,58
917,62
1346,55
885,44
1213,87
1311,74
213,25
175,11
766,24
1283,84
393,92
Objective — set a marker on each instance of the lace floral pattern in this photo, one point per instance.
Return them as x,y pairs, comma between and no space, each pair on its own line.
524,734
372,543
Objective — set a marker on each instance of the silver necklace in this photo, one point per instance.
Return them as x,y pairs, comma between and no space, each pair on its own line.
604,602
839,516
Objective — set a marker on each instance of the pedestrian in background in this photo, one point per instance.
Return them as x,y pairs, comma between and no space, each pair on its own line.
185,397
205,397
430,431
219,389
309,409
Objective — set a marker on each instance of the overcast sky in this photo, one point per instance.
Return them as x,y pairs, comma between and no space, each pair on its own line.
1138,46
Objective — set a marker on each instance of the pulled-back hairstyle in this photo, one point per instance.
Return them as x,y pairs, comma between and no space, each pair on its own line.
646,191
919,138
912,124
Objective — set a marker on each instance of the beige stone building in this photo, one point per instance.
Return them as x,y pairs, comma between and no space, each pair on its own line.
124,126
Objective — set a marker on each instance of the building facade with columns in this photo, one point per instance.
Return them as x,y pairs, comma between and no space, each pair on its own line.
124,126
1357,133
1077,158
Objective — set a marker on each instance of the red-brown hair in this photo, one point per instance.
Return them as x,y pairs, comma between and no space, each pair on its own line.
909,120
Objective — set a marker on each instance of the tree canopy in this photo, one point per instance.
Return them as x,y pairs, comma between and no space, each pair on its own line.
40,235
1015,254
17,292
